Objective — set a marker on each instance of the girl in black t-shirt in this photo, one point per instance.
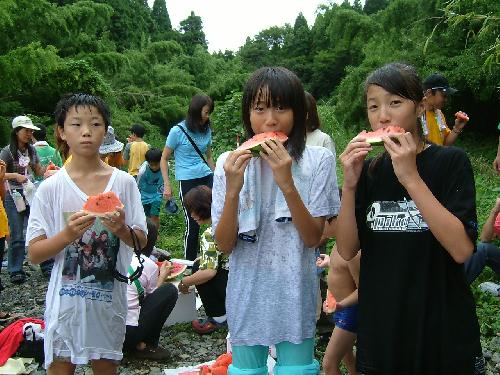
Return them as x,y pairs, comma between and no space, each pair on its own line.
412,211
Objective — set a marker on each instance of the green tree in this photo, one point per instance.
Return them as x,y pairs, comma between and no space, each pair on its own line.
373,6
161,19
192,33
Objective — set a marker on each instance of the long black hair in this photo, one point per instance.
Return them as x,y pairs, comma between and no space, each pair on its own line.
398,79
312,120
193,118
14,147
278,86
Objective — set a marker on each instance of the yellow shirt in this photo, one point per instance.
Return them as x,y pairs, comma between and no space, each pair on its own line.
4,224
436,132
137,156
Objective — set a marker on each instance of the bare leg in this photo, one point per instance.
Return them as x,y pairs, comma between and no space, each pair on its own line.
341,343
61,368
104,367
350,362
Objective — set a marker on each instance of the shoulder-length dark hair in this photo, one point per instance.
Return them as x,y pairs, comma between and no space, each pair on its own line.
398,79
277,86
14,147
193,118
198,200
312,120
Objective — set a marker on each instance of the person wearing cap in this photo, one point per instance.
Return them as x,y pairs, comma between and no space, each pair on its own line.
22,164
136,148
436,91
111,149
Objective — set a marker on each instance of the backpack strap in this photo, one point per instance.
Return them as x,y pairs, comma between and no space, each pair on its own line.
138,286
194,145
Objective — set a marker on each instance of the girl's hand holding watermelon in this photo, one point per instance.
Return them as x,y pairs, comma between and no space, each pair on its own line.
403,152
352,160
280,161
234,168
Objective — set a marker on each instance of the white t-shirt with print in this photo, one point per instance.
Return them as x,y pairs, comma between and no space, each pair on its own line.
272,284
86,307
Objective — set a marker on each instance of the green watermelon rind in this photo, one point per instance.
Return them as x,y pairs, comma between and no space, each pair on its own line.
257,148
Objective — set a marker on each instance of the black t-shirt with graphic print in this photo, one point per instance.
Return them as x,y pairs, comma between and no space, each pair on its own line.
416,311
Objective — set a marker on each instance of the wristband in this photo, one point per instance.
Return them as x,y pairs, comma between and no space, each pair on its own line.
456,131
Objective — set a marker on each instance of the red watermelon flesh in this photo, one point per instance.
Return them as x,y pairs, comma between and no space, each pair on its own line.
330,303
177,269
52,167
103,203
496,226
254,144
375,137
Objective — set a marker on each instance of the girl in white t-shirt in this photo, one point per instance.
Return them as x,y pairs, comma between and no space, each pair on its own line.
269,213
85,309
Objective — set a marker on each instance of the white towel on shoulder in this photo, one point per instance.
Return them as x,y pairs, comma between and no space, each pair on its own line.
250,198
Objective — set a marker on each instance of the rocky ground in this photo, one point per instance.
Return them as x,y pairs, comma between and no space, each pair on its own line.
186,347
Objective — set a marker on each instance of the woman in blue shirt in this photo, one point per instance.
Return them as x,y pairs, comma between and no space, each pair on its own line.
191,167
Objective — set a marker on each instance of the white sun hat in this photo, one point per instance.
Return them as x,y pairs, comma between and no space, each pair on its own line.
110,143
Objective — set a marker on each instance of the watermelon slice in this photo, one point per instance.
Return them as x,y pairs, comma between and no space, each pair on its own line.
177,269
102,204
462,116
496,226
375,138
52,167
254,144
330,303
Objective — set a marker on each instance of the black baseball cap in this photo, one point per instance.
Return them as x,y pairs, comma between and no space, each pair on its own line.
138,130
437,81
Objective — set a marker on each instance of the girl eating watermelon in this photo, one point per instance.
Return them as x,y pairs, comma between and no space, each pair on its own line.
268,212
85,313
412,211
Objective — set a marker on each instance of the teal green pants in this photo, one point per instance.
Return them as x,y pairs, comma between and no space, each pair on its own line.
293,359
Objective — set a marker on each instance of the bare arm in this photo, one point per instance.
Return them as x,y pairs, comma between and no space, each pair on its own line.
210,159
199,277
42,248
165,157
16,177
226,232
352,160
458,127
328,231
446,227
487,233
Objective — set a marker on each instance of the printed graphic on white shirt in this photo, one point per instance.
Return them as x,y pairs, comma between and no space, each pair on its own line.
89,264
391,216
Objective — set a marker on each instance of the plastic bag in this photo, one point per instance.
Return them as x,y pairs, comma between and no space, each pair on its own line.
29,190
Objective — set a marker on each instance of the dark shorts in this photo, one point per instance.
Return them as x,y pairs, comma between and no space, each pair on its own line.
152,209
347,319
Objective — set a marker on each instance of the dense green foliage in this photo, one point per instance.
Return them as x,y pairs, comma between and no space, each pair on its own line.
130,54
